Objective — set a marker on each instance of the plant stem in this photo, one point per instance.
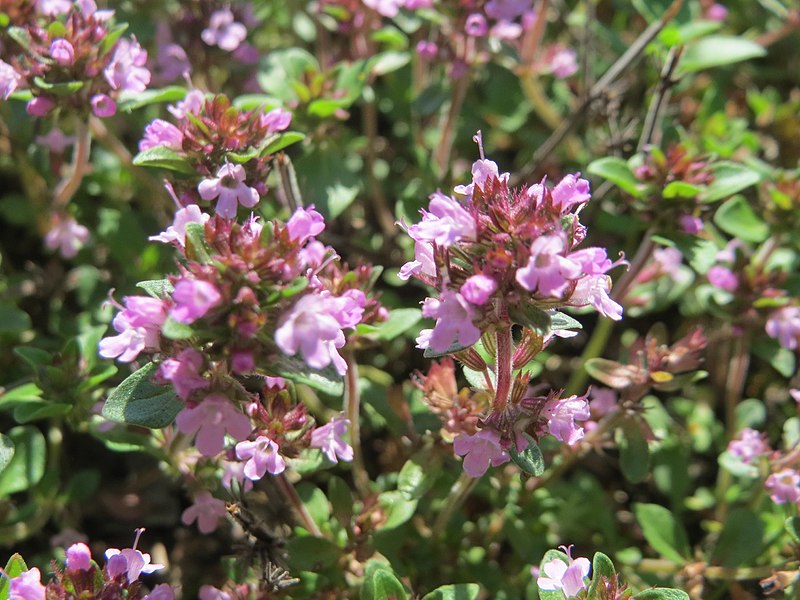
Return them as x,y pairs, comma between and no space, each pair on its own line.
505,351
441,156
291,495
67,187
353,412
380,206
455,499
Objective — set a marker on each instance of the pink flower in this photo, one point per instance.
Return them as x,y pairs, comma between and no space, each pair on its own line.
209,592
79,557
563,62
193,299
482,171
210,421
127,71
476,25
454,324
387,8
329,439
161,133
39,106
572,191
748,446
66,236
223,31
242,361
480,451
192,103
262,456
56,140
304,224
691,224
206,510
561,416
62,52
547,271
478,289
9,79
567,577
27,586
234,471
784,486
103,106
275,120
177,231
313,327
53,8
163,591
427,49
230,188
716,12
445,222
183,372
138,326
130,561
593,290
784,325
723,278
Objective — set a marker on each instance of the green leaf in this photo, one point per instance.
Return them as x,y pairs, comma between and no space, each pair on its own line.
13,320
165,158
139,401
196,247
602,568
294,368
453,348
173,330
341,499
454,591
398,322
35,411
618,172
315,502
531,316
661,594
793,528
6,451
22,394
26,467
634,452
327,180
309,553
35,357
284,140
111,37
680,189
59,89
663,532
398,508
418,475
386,62
280,69
717,51
380,583
611,373
14,567
559,321
737,218
741,540
130,101
779,358
529,460
729,179
157,288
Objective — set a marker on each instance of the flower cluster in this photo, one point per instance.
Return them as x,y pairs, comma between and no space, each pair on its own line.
72,58
82,577
228,149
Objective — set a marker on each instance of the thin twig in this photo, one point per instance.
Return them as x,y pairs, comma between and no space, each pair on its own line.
353,412
296,502
458,494
67,187
660,99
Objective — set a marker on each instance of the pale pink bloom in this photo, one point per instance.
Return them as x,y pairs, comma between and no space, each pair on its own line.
784,325
562,414
210,421
223,31
480,451
62,52
723,278
784,486
192,103
506,30
27,586
138,325
330,439
209,592
604,401
482,171
9,79
56,140
53,8
567,577
387,8
476,25
478,289
668,260
427,49
39,106
66,236
103,106
163,591
193,299
445,222
562,62
161,133
206,510
130,561
127,71
716,12
305,224
548,272
230,188
748,446
593,290
691,224
177,231
570,192
262,457
454,324
275,120
242,361
234,471
795,394
313,327
507,10
79,557
183,372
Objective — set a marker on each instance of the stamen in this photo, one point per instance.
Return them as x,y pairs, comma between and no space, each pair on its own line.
478,139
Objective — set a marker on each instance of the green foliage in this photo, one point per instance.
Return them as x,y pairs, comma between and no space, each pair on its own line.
140,401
